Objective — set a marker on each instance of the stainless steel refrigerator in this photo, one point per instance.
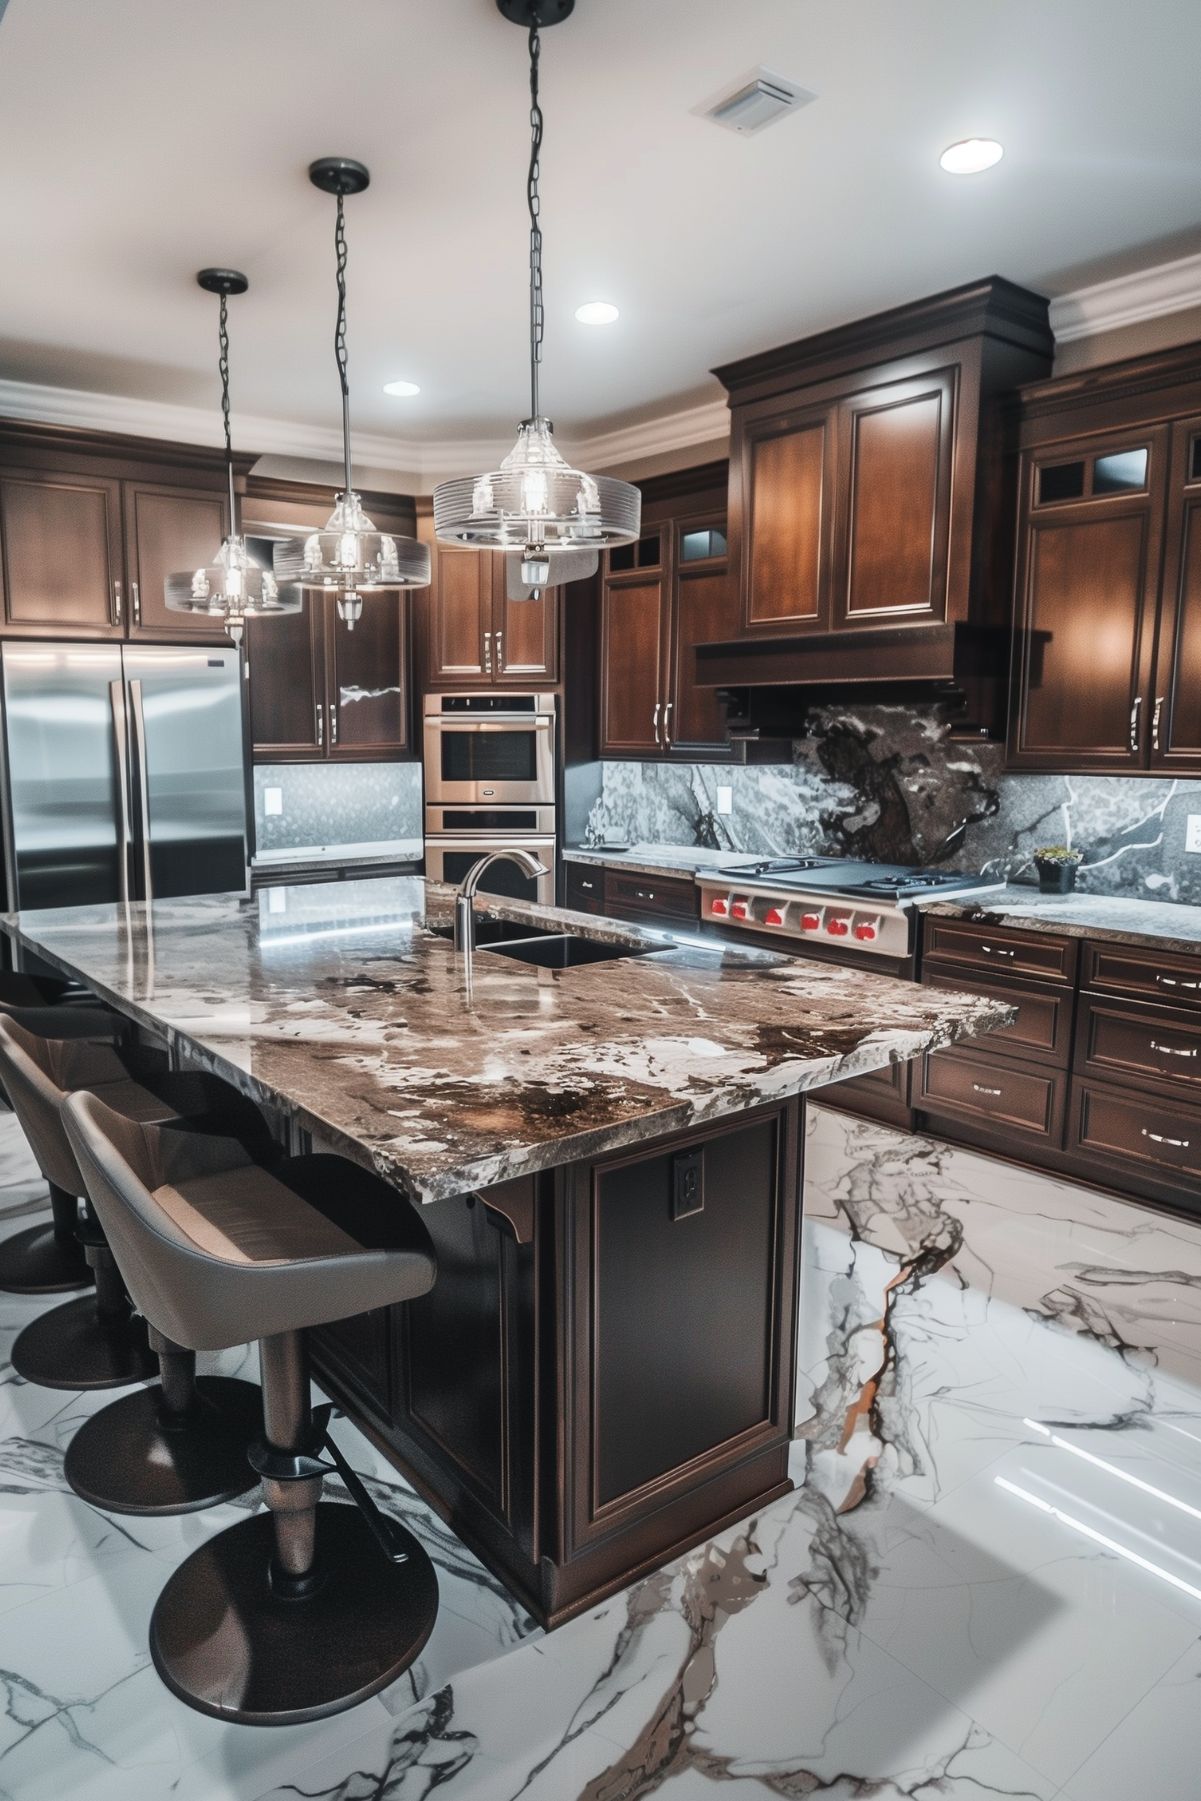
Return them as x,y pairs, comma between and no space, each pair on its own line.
123,773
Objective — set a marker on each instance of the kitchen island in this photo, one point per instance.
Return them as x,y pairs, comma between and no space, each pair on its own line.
607,1159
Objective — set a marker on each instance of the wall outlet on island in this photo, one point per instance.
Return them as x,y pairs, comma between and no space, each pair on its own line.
725,798
273,802
1192,833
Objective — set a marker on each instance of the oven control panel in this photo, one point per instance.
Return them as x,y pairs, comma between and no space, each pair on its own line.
832,920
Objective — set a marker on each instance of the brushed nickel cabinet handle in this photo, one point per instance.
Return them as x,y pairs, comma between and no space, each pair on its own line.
655,724
500,653
1172,1050
116,603
997,950
644,893
1155,719
320,725
666,724
333,722
1179,1144
487,653
1176,982
981,1088
137,603
1134,722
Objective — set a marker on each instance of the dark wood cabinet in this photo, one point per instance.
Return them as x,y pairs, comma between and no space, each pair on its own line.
60,540
285,667
661,597
1107,640
473,635
169,529
871,501
650,899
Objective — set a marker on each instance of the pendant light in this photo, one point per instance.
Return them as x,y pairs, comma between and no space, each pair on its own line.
555,516
233,586
349,557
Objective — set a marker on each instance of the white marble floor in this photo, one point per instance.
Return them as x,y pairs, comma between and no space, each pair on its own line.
988,1581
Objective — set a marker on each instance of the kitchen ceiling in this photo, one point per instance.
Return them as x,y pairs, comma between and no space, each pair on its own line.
140,139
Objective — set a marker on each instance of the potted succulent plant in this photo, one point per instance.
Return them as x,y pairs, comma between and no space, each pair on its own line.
1057,865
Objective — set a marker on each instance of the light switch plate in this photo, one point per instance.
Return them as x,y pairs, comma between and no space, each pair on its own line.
273,802
1192,833
277,900
725,798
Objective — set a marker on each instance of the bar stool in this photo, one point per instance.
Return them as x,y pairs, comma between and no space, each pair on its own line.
313,1606
96,1341
49,1259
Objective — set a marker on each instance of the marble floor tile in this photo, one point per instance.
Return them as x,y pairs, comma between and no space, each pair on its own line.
1156,1750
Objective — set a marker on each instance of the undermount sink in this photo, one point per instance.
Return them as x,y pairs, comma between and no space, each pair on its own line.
547,950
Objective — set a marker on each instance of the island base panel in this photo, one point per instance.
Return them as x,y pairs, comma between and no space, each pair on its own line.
602,1375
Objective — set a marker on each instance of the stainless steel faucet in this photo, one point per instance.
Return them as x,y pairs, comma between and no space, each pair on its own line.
465,898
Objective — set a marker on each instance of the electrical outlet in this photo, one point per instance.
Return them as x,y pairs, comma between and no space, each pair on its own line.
687,1184
273,802
725,798
1192,833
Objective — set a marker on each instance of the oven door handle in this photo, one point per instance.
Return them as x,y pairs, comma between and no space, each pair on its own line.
443,723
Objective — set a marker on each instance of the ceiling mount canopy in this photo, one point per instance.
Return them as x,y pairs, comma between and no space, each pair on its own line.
233,587
348,557
536,505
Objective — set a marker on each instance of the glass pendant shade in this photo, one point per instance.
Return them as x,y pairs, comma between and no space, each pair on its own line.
233,588
350,558
536,501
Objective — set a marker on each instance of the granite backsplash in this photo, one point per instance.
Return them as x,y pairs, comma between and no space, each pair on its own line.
337,803
891,783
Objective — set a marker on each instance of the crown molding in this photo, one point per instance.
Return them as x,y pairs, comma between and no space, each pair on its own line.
1127,300
655,437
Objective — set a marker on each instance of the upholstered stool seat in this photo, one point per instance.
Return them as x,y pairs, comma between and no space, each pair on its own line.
49,1259
312,1606
95,1342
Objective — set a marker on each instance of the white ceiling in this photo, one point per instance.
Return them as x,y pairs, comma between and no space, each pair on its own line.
140,139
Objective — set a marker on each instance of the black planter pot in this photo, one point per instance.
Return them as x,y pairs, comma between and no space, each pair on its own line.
1056,878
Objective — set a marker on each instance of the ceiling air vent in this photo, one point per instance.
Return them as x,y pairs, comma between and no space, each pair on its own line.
759,99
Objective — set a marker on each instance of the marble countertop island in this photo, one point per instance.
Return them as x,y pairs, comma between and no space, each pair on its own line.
343,1006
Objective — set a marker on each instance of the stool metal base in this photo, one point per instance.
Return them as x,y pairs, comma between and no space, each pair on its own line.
74,1347
131,1457
39,1261
225,1643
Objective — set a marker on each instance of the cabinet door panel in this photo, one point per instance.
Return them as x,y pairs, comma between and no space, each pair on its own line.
169,529
367,684
705,611
61,542
633,638
459,611
1176,705
900,441
785,523
525,646
1081,627
284,658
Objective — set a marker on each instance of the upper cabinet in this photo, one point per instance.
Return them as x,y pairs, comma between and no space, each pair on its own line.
1107,599
872,482
660,598
472,634
91,528
320,691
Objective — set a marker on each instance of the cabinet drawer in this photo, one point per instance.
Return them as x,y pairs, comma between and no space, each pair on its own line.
1043,1027
584,887
1160,1137
1140,1043
1143,974
650,896
972,1085
988,949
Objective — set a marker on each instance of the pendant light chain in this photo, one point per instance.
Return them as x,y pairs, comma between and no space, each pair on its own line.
534,202
340,352
223,371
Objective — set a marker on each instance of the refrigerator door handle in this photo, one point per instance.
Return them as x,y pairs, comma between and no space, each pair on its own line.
139,746
116,695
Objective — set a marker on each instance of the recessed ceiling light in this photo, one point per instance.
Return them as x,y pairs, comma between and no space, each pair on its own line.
403,390
596,312
970,156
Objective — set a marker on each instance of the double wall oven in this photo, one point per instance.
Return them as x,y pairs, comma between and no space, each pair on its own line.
490,784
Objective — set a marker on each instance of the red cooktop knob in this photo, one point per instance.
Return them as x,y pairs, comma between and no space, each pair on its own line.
773,917
866,932
810,921
741,910
838,928
719,906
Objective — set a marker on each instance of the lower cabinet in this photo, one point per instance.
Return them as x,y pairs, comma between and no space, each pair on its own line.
604,1367
584,887
650,899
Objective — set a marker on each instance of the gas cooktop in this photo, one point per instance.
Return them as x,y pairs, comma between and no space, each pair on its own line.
844,875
